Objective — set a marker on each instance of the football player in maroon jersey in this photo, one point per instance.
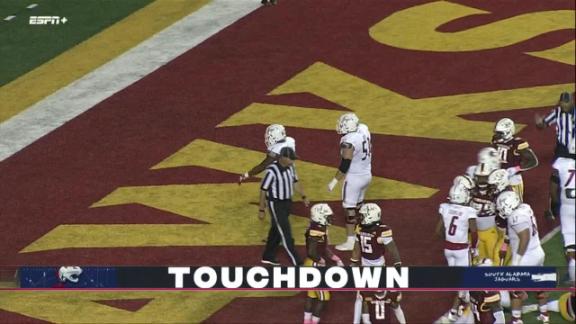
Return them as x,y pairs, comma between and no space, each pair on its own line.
318,251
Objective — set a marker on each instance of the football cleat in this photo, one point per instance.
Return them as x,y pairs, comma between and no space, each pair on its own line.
346,246
270,262
543,318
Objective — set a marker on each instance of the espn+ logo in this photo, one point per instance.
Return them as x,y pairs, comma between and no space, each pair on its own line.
47,20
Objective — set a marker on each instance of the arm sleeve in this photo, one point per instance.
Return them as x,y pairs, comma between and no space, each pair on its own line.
386,236
550,118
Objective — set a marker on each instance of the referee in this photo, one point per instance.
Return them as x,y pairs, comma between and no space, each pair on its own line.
277,188
563,116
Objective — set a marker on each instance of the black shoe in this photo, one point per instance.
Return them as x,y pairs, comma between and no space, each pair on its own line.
270,262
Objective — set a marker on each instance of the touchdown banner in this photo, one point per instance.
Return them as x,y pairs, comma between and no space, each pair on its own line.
296,278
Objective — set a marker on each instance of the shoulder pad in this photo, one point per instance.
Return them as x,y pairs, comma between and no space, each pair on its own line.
346,145
385,231
522,145
317,233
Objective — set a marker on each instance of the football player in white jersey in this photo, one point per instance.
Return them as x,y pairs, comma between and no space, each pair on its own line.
563,201
355,168
525,246
275,139
456,222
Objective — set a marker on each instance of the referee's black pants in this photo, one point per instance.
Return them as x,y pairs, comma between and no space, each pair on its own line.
280,231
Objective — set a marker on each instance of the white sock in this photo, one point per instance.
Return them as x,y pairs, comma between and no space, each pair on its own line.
351,239
499,317
315,319
366,319
516,314
553,306
505,298
400,315
307,316
357,309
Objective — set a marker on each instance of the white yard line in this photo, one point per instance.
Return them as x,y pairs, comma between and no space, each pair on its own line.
62,106
34,5
9,18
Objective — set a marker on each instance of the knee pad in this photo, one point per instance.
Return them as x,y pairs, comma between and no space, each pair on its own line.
351,216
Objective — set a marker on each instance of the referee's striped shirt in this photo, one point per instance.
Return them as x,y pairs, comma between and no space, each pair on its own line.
564,127
279,182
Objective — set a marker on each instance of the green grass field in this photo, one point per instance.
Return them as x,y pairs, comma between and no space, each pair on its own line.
24,47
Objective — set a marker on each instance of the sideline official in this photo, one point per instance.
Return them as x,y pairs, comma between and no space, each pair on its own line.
276,190
563,116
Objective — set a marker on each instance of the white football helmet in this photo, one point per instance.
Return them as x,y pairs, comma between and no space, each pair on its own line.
507,202
504,130
69,273
370,214
465,181
489,155
320,213
499,179
274,133
459,195
347,123
488,162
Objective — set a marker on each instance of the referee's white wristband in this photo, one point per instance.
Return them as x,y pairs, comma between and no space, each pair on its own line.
332,184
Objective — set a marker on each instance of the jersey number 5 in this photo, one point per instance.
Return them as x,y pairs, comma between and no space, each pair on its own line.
366,148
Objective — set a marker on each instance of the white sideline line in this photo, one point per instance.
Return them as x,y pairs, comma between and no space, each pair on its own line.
60,107
550,235
9,18
34,5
